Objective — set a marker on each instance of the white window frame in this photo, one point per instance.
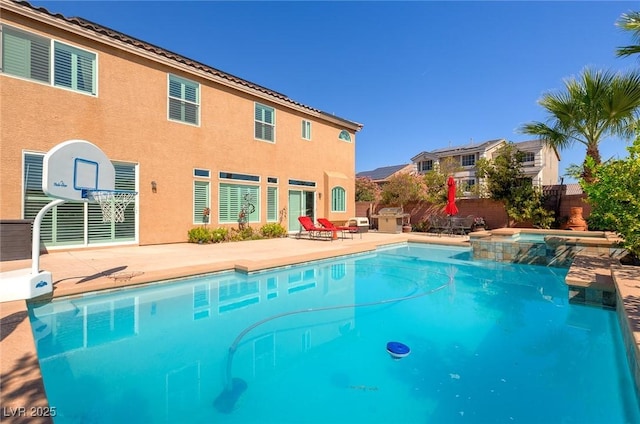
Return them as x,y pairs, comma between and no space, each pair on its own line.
306,129
198,215
183,99
240,185
274,189
528,157
463,157
257,122
53,46
203,170
79,224
344,136
424,163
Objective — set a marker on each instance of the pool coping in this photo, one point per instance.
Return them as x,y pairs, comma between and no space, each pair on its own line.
21,383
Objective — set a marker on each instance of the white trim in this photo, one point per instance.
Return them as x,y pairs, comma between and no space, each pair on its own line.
52,41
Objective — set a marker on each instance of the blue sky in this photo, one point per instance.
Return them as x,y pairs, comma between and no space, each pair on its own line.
418,75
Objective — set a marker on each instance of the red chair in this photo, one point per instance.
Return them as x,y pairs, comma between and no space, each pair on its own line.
313,231
343,229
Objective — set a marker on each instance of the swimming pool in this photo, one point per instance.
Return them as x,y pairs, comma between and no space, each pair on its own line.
490,342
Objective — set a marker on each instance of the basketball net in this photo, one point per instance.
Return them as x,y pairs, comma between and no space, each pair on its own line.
112,203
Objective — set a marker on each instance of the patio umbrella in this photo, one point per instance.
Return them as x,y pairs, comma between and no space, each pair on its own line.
451,208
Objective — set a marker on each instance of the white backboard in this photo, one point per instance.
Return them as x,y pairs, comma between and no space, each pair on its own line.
74,166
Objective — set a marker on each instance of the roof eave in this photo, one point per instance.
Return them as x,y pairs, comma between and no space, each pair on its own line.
105,35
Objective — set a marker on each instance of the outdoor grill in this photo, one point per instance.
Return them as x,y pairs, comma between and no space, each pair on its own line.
390,220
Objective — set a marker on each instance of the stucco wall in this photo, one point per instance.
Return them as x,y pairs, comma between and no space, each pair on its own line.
128,121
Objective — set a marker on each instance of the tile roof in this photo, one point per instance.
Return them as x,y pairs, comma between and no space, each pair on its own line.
381,173
570,189
119,36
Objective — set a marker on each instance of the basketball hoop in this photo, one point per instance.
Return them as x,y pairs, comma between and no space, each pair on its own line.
112,203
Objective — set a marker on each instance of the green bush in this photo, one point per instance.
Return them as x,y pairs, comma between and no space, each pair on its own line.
199,235
246,233
613,195
421,227
273,230
219,235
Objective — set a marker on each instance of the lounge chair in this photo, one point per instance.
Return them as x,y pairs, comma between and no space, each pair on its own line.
313,231
343,229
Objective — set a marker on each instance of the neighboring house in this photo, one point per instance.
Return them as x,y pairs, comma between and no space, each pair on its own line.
182,134
381,175
540,162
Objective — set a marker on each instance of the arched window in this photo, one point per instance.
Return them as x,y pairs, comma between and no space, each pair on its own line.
344,135
338,200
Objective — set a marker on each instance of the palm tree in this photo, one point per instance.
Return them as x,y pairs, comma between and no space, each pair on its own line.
594,106
630,22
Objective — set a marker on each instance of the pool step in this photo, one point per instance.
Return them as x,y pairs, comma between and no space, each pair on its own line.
590,281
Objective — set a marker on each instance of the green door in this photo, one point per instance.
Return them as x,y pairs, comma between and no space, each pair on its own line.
301,203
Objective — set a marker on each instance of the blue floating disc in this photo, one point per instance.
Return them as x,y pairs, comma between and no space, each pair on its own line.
398,350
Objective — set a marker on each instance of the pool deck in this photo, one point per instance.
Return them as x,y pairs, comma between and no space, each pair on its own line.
87,270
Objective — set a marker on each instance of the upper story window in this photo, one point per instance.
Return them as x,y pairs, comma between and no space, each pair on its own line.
344,135
306,129
265,123
29,56
425,165
184,100
528,157
468,160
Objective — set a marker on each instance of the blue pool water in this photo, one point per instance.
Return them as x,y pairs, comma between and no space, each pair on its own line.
490,342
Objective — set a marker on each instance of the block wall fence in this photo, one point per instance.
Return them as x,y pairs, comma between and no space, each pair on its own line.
493,212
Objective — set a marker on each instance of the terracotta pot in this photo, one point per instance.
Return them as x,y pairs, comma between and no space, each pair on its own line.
576,221
406,228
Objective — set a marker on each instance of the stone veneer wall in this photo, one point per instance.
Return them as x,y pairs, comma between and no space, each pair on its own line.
558,253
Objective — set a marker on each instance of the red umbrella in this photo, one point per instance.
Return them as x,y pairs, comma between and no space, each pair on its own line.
451,208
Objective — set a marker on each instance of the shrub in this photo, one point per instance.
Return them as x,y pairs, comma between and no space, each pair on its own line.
219,235
246,233
613,195
199,235
273,230
421,227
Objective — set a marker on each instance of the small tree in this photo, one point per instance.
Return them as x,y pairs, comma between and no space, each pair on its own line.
436,181
507,183
614,197
367,190
401,189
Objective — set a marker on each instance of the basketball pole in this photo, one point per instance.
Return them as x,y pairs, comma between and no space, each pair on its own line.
35,243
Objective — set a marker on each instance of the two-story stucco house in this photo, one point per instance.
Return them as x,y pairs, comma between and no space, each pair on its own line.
540,162
184,135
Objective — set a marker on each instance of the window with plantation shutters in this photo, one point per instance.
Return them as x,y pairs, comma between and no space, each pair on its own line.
233,197
25,55
30,56
200,202
184,100
74,68
338,200
72,223
272,204
265,123
306,129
